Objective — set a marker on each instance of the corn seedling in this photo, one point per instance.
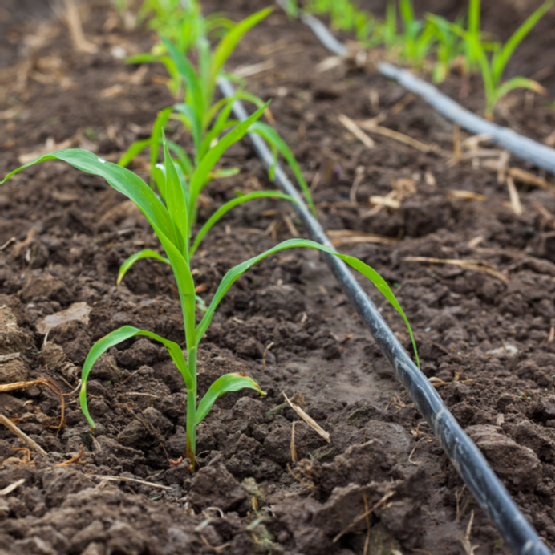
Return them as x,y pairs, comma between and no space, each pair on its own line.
292,8
492,66
206,120
346,16
170,221
450,47
412,45
418,36
183,25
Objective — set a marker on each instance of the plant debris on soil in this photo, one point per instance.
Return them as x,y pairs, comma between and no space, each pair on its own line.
473,269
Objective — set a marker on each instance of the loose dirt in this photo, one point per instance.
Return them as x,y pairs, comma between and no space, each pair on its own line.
267,482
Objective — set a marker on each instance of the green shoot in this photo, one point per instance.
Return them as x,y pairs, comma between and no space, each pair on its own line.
450,47
492,67
206,120
449,41
201,115
417,38
170,222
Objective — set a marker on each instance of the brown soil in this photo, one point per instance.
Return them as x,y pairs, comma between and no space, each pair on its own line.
487,338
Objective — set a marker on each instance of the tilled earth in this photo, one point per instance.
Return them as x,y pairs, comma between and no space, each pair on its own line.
267,482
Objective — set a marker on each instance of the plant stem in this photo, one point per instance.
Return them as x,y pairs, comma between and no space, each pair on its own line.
192,408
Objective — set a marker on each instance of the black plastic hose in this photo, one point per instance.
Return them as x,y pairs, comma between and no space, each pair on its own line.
523,147
469,462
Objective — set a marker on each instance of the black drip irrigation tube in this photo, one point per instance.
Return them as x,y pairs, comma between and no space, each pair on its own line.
465,456
523,147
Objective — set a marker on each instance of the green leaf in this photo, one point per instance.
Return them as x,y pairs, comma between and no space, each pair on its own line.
157,129
273,138
407,13
217,21
116,337
500,61
227,46
474,18
147,58
185,285
390,25
182,158
199,179
159,174
221,123
292,8
224,384
121,179
192,121
204,56
133,151
479,55
518,83
228,206
179,265
190,77
225,172
239,95
145,253
175,200
233,274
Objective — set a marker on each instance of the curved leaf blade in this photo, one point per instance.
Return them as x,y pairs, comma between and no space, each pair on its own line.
121,179
228,206
221,123
145,253
191,120
175,200
233,274
187,71
227,46
132,152
239,95
518,83
182,158
501,60
116,337
200,177
156,138
273,138
224,384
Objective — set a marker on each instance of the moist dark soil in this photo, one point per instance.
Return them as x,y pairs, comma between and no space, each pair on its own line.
268,483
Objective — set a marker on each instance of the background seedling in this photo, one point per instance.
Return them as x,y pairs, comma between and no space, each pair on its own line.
492,67
449,41
170,223
206,119
418,36
449,47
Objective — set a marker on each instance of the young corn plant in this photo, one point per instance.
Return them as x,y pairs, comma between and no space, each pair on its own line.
206,119
192,182
170,221
346,16
418,36
183,25
492,66
473,33
449,47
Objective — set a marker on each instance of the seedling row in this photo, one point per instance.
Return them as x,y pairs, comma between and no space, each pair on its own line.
179,181
179,174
